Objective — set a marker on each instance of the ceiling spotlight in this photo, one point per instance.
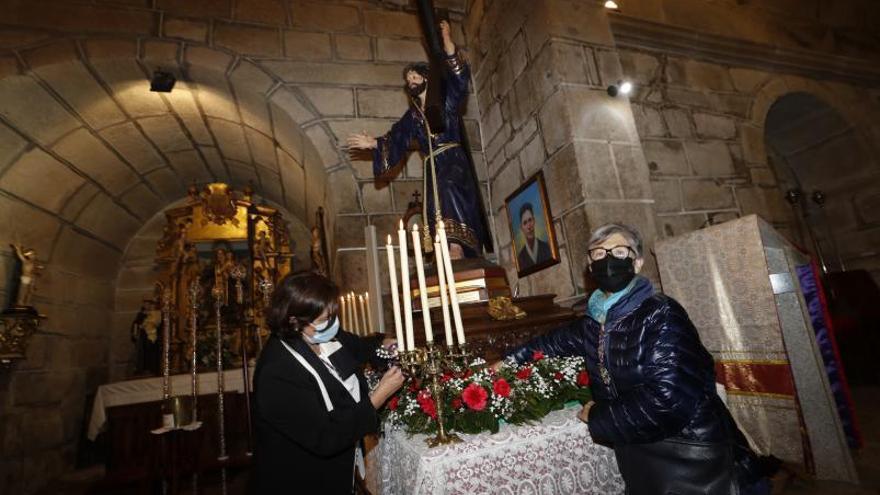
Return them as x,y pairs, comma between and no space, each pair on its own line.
621,88
611,5
162,82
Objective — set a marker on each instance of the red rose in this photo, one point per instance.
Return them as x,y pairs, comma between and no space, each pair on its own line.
445,377
557,376
501,387
537,356
475,397
524,373
456,403
429,408
426,403
583,378
392,404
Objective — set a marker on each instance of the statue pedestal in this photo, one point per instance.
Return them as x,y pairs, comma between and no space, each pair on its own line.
17,324
476,280
491,339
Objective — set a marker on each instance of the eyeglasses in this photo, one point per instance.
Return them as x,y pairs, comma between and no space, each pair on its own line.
619,252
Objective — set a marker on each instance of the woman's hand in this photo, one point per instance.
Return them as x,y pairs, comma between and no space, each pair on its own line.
448,44
361,141
584,415
390,382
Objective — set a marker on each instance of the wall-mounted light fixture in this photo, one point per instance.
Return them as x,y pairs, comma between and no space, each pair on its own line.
621,88
162,82
611,5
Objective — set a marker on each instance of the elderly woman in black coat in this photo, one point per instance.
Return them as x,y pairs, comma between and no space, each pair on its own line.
653,382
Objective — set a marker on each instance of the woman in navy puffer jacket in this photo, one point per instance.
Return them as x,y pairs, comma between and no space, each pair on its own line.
653,382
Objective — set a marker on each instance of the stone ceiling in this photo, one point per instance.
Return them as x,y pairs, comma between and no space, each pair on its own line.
85,144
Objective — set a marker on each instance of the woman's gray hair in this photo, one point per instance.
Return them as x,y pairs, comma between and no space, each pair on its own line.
632,236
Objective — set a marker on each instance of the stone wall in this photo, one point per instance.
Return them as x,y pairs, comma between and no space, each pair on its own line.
697,155
703,129
541,79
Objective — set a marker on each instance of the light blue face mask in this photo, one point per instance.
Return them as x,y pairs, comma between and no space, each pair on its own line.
324,332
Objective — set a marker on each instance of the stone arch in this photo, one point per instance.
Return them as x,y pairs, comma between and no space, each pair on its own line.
80,177
226,120
843,98
137,274
308,71
813,146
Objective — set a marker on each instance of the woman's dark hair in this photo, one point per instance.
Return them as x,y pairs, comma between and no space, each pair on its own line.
298,300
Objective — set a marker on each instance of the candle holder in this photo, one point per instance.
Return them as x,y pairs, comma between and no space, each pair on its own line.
433,369
459,357
411,361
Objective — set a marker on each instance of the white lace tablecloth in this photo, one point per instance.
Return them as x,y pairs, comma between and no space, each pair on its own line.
150,389
555,456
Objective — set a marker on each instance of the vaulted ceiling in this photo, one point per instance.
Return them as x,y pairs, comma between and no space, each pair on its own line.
88,154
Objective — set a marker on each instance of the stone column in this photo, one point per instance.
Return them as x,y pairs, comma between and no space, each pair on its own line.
542,70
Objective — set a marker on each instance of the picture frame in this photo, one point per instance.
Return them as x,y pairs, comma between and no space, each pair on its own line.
542,251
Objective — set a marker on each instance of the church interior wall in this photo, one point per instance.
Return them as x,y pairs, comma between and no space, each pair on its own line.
267,92
542,70
700,123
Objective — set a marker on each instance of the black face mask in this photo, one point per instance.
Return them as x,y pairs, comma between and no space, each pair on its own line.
612,274
415,91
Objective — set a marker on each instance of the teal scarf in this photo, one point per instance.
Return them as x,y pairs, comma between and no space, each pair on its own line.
600,302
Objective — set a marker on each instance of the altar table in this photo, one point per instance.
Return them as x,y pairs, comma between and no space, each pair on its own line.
554,456
150,389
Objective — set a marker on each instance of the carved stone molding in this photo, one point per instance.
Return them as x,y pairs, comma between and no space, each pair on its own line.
640,34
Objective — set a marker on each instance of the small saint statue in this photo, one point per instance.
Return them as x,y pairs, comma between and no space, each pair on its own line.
263,248
319,264
29,271
224,263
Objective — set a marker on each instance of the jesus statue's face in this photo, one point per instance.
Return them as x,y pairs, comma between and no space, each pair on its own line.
415,84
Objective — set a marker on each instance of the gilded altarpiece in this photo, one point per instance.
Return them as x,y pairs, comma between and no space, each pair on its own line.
220,249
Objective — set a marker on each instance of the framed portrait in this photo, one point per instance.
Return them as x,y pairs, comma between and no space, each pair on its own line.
531,227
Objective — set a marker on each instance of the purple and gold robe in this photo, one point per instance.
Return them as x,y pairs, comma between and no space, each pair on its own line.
460,205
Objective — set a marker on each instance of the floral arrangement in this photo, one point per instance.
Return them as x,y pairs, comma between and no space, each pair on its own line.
478,398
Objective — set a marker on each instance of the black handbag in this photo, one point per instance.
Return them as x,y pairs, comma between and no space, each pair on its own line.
676,466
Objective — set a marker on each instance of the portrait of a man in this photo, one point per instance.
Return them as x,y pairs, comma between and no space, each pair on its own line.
531,227
534,250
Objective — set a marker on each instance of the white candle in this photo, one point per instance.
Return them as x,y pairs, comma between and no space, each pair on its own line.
395,300
423,290
369,313
342,316
357,318
352,319
450,281
364,327
407,296
444,298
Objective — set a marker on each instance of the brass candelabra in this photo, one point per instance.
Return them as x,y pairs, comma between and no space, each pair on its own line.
428,364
